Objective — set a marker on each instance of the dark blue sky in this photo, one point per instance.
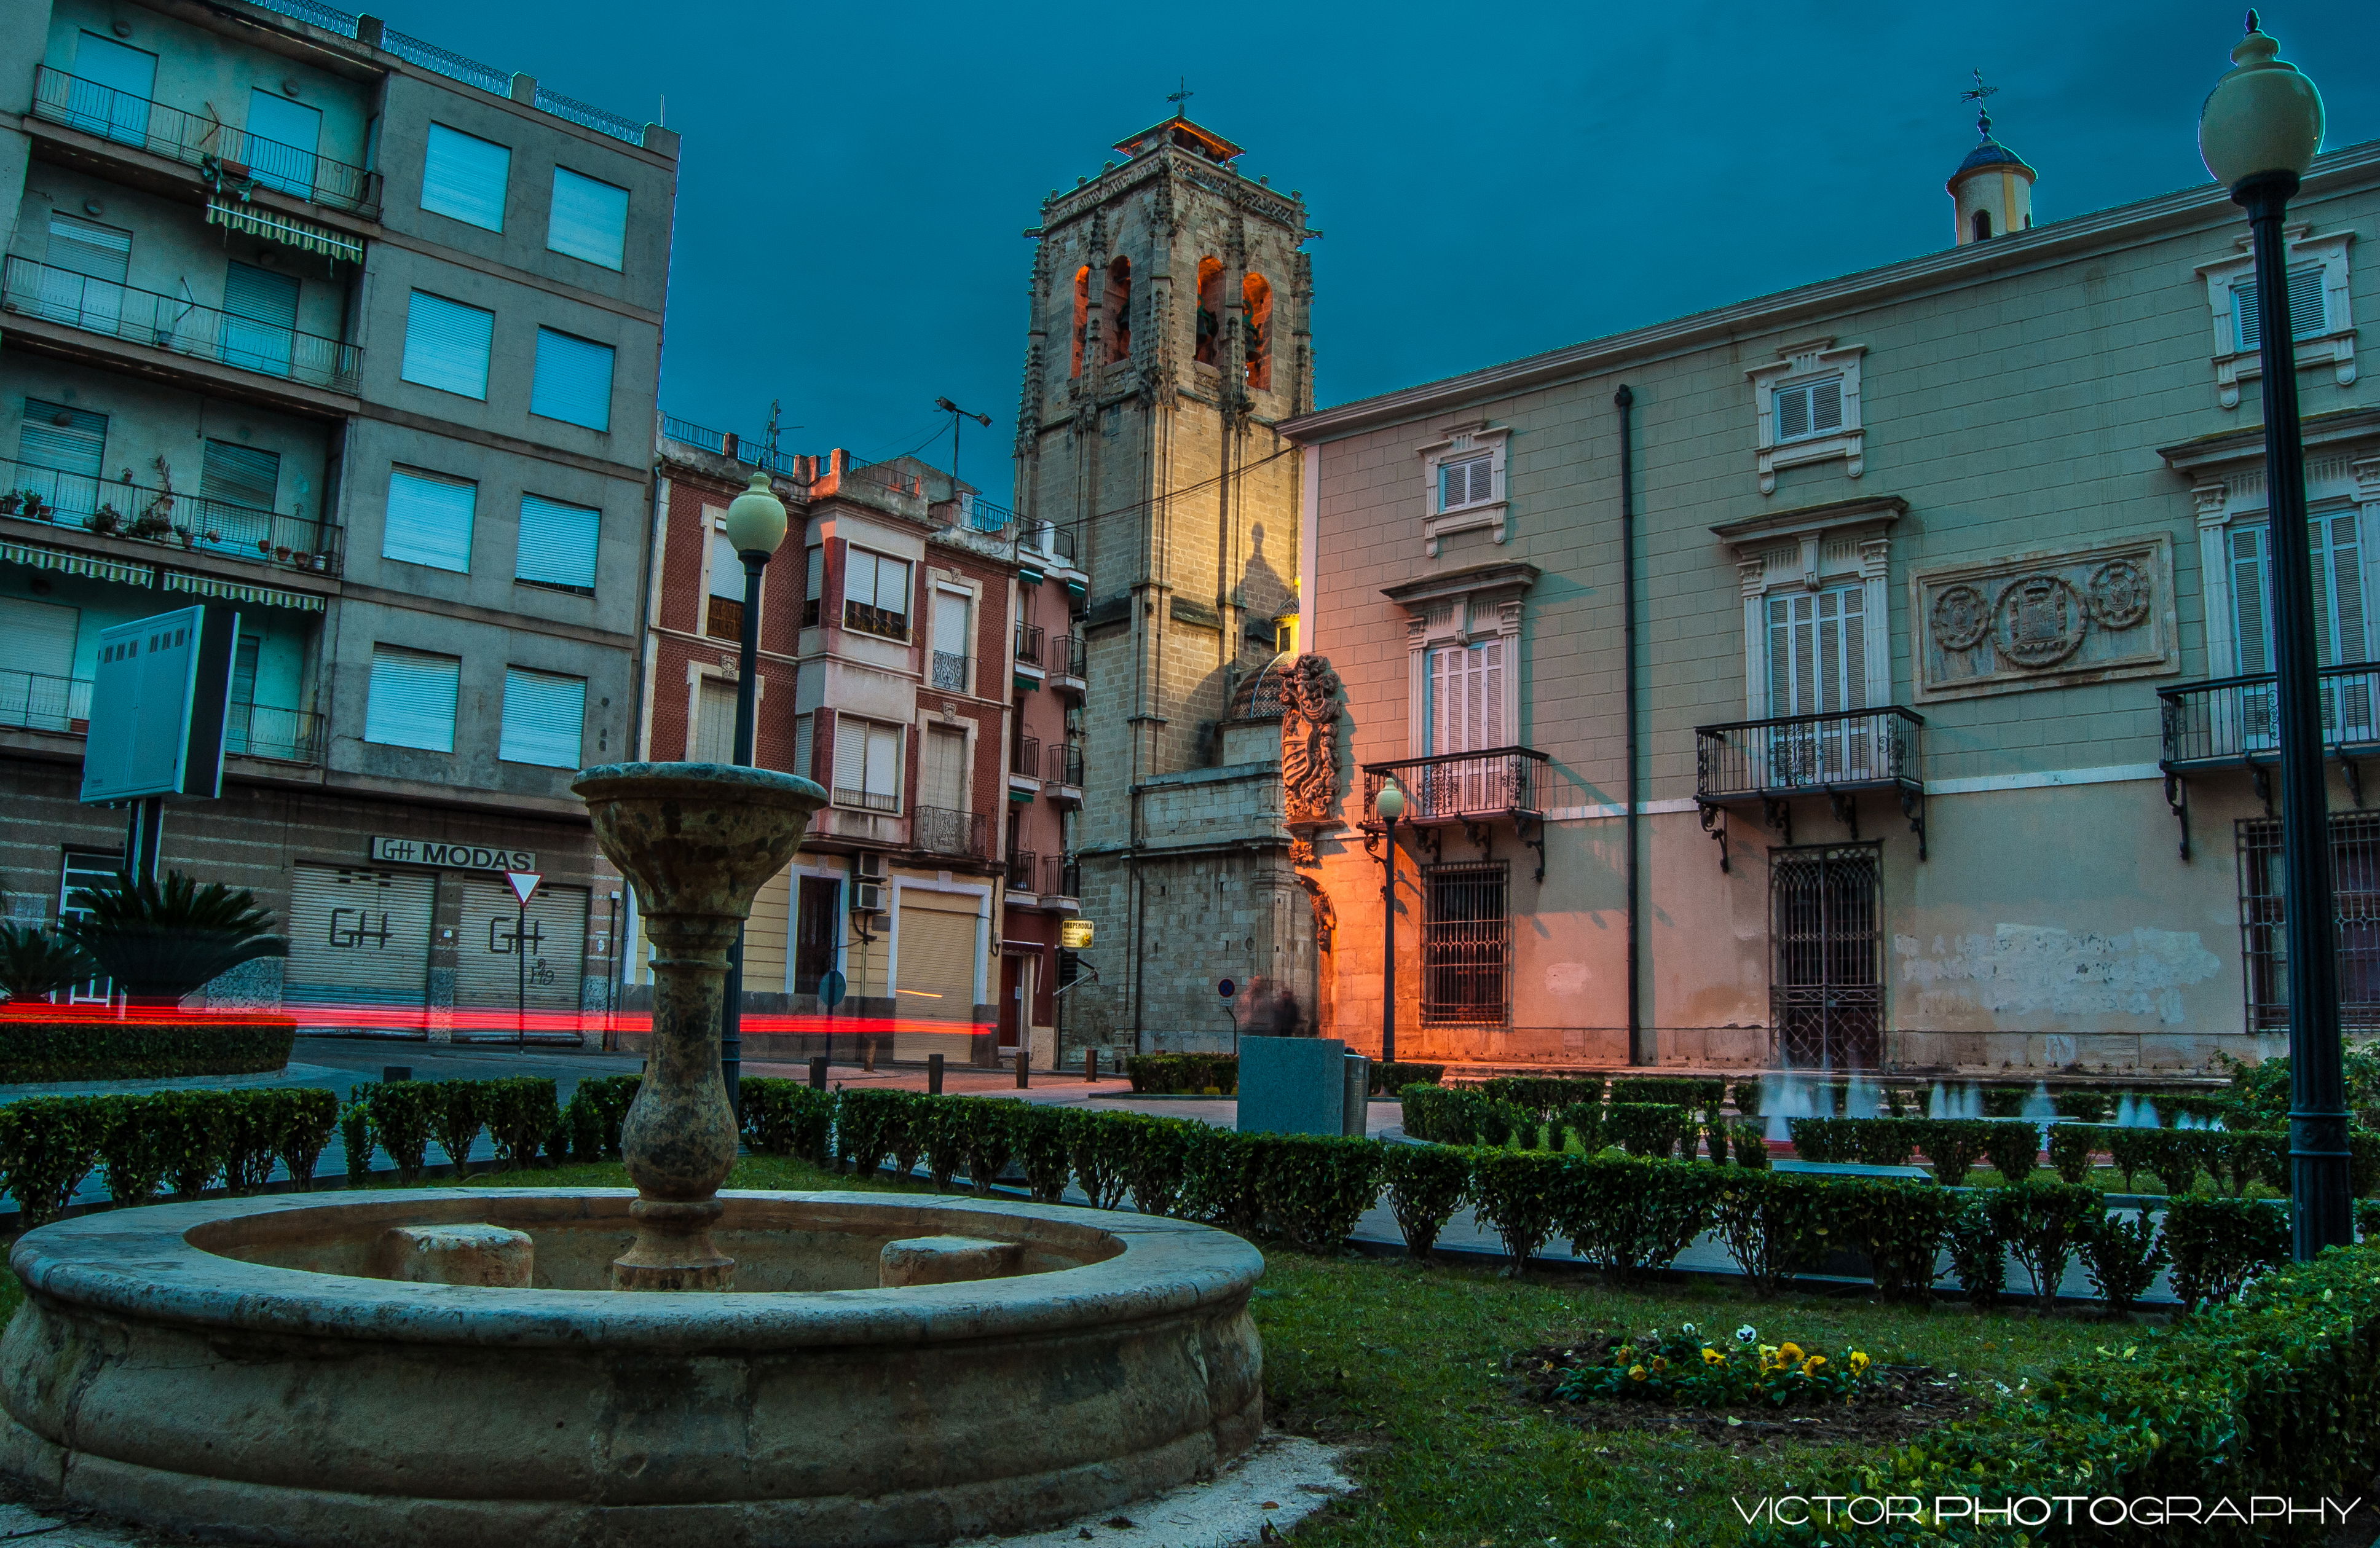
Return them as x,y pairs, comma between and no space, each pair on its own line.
1490,184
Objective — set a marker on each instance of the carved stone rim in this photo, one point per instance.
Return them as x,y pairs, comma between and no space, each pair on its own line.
763,787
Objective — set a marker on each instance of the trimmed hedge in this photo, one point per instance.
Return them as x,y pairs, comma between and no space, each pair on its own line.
1177,1074
1392,1076
34,1052
49,1144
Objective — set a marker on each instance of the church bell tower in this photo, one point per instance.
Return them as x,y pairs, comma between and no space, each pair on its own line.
1168,338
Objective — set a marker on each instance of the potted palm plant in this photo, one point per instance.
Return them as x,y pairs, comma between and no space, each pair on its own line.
36,963
162,941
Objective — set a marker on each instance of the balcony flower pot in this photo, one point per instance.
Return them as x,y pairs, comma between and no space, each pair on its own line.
281,553
107,521
264,545
11,503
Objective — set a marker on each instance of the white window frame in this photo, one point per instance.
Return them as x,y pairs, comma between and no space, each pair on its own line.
2334,346
1797,364
1462,609
1844,544
2336,482
1464,442
902,735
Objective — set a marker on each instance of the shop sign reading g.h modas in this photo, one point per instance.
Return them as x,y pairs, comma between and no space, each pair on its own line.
453,857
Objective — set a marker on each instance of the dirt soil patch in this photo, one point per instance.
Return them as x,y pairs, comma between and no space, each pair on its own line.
1904,1401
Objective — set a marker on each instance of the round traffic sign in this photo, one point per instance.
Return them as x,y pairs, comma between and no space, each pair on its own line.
1227,989
830,988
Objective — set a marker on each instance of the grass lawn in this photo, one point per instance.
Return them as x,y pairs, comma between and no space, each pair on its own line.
1412,1366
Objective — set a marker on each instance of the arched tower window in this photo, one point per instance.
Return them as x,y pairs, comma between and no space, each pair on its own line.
1118,310
1082,315
1982,225
1210,309
1257,297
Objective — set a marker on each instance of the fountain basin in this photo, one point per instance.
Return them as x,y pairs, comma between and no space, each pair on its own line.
222,1369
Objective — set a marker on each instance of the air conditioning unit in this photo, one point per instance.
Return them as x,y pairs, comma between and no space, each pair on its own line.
868,897
872,865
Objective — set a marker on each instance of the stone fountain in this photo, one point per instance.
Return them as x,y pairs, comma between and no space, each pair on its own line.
479,1367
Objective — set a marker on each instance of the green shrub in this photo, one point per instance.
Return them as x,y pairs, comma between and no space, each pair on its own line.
2122,1259
2176,1157
1628,1216
2367,1218
402,1114
1822,1139
1542,1096
1882,1142
252,1131
356,1139
1220,1175
1426,1185
1170,1074
1040,1139
2259,1155
1426,1112
2013,1149
197,1140
1901,1226
2219,1244
2070,1149
986,1137
2083,1103
1101,1148
609,1098
455,1118
1518,1197
1490,1120
2004,1101
1775,1225
2174,1106
308,1114
1314,1187
1746,1095
132,1149
906,1129
1391,1076
2043,1221
1647,1129
2129,1151
48,1144
941,1122
863,1128
1747,1144
520,1111
1698,1095
786,1117
249,1044
1978,1252
1156,1158
1953,1145
1584,1122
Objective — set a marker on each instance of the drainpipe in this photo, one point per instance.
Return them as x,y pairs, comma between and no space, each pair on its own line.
1643,1047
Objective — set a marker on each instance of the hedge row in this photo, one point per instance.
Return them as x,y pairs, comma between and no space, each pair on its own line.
1193,1074
2176,1158
1534,1114
41,1051
2274,1399
184,1140
2083,1104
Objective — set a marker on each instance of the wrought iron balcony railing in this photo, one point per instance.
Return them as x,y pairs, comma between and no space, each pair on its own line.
2237,719
1066,763
223,154
37,701
172,518
752,451
183,327
1049,540
1809,755
1069,657
950,672
1024,757
1024,871
262,731
1463,787
875,621
1060,877
1029,644
939,830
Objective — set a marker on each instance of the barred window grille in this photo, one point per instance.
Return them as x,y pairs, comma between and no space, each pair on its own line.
1826,992
1466,944
2355,890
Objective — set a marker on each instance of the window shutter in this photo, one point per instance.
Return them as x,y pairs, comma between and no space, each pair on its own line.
2337,590
589,220
1793,413
892,586
558,542
258,334
945,769
429,520
77,446
885,768
860,577
544,715
803,747
573,381
1854,667
726,568
2308,309
412,700
240,476
122,81
2250,633
814,586
446,344
1490,658
951,621
40,639
1826,405
282,139
80,246
714,729
850,759
1452,486
1780,655
1483,480
463,177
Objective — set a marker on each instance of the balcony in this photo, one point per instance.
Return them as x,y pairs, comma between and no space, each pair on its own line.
961,835
36,701
879,621
1061,883
949,672
1473,789
1069,666
1027,672
143,317
2234,722
223,155
1837,756
277,735
1024,768
1024,873
169,518
1065,773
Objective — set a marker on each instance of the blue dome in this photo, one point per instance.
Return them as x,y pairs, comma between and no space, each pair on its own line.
1991,152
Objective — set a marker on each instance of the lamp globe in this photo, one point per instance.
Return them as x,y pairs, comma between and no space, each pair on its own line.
755,519
2263,117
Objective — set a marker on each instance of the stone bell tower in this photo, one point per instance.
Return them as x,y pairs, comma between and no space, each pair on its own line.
1168,338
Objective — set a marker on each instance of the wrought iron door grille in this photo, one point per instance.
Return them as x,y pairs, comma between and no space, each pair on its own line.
2355,891
1466,944
1826,996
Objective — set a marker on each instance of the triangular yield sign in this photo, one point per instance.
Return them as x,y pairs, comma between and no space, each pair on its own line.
524,883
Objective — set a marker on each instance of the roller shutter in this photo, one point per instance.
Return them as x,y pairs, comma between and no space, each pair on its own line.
590,219
358,937
936,974
463,177
573,381
488,972
446,344
558,543
261,318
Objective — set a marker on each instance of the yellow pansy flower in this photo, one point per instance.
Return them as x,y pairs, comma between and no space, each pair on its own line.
1790,1352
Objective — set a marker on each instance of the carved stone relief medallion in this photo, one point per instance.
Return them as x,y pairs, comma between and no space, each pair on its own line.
1963,615
2120,593
2039,621
2045,620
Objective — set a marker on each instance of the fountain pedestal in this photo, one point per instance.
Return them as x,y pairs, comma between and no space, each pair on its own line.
697,840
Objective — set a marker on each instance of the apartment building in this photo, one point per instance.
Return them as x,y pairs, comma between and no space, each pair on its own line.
1939,593
342,330
917,659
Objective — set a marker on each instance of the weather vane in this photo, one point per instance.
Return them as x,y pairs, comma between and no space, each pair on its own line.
1180,99
1976,94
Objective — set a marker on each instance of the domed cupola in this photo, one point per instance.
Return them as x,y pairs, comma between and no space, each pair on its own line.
1992,191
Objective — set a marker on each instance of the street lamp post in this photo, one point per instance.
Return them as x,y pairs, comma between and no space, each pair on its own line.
1391,805
2258,132
755,527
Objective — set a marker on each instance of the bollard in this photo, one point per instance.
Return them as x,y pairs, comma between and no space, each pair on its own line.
817,1074
397,1071
1023,1068
867,1056
1090,1064
933,1075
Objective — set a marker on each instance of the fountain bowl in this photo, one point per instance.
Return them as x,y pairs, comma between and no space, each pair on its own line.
223,1368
